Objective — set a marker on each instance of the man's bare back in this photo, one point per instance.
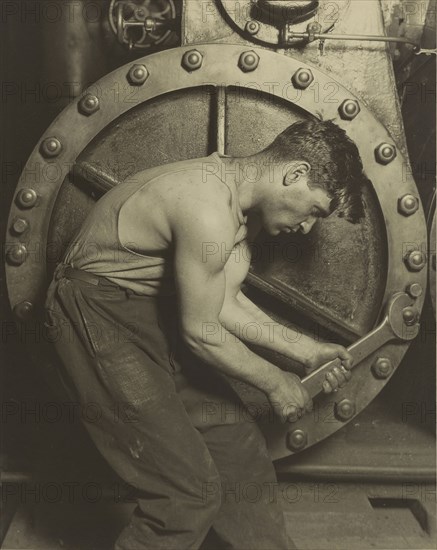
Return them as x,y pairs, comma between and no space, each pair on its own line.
178,198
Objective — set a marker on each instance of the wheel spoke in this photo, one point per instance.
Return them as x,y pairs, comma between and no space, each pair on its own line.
294,299
96,180
220,119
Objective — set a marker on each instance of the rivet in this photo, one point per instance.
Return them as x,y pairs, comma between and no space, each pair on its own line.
89,105
385,153
410,316
297,440
415,290
382,368
192,60
349,109
408,205
252,27
302,78
314,27
137,75
248,61
17,254
415,260
26,198
50,147
19,226
23,310
345,409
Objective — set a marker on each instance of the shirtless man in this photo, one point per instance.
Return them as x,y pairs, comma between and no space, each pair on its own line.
151,267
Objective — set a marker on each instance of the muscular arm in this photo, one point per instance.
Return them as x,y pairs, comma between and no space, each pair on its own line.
243,318
199,266
247,321
203,235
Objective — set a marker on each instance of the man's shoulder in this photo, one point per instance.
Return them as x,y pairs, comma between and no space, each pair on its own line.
198,179
201,166
184,191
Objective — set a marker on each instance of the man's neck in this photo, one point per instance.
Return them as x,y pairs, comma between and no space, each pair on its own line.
249,175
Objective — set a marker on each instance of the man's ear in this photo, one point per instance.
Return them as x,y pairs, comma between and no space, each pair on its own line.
296,170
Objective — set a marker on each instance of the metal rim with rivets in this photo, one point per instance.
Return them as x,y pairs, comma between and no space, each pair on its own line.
71,133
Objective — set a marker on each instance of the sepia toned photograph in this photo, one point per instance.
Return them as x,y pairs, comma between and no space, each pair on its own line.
218,280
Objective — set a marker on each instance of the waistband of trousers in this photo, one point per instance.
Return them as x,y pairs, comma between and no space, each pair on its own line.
69,272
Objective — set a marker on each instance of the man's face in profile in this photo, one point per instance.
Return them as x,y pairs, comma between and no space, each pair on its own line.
295,206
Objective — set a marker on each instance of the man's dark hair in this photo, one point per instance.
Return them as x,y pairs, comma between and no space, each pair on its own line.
335,162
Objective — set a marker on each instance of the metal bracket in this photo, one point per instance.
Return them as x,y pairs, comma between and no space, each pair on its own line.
313,32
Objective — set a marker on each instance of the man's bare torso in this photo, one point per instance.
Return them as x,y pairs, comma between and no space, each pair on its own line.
131,234
147,217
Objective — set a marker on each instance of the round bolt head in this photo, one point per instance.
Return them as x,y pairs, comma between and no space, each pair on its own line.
19,226
345,409
50,147
26,198
302,78
252,27
415,290
349,109
385,153
415,260
297,440
382,368
314,27
408,205
23,310
248,61
137,75
17,254
89,105
192,60
410,316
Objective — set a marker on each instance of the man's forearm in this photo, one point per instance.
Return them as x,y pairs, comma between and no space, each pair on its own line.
228,354
244,319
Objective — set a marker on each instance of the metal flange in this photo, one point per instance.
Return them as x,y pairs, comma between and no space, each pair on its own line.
72,132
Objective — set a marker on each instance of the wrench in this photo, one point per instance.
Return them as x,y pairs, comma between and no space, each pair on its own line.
395,326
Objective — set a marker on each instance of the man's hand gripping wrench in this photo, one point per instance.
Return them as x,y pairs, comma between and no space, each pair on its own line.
400,323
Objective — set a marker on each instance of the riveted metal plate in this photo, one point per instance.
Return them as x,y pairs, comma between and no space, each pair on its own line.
28,282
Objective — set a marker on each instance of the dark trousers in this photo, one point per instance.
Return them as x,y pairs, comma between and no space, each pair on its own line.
171,427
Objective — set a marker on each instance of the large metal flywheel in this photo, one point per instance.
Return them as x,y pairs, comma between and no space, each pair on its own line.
190,101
